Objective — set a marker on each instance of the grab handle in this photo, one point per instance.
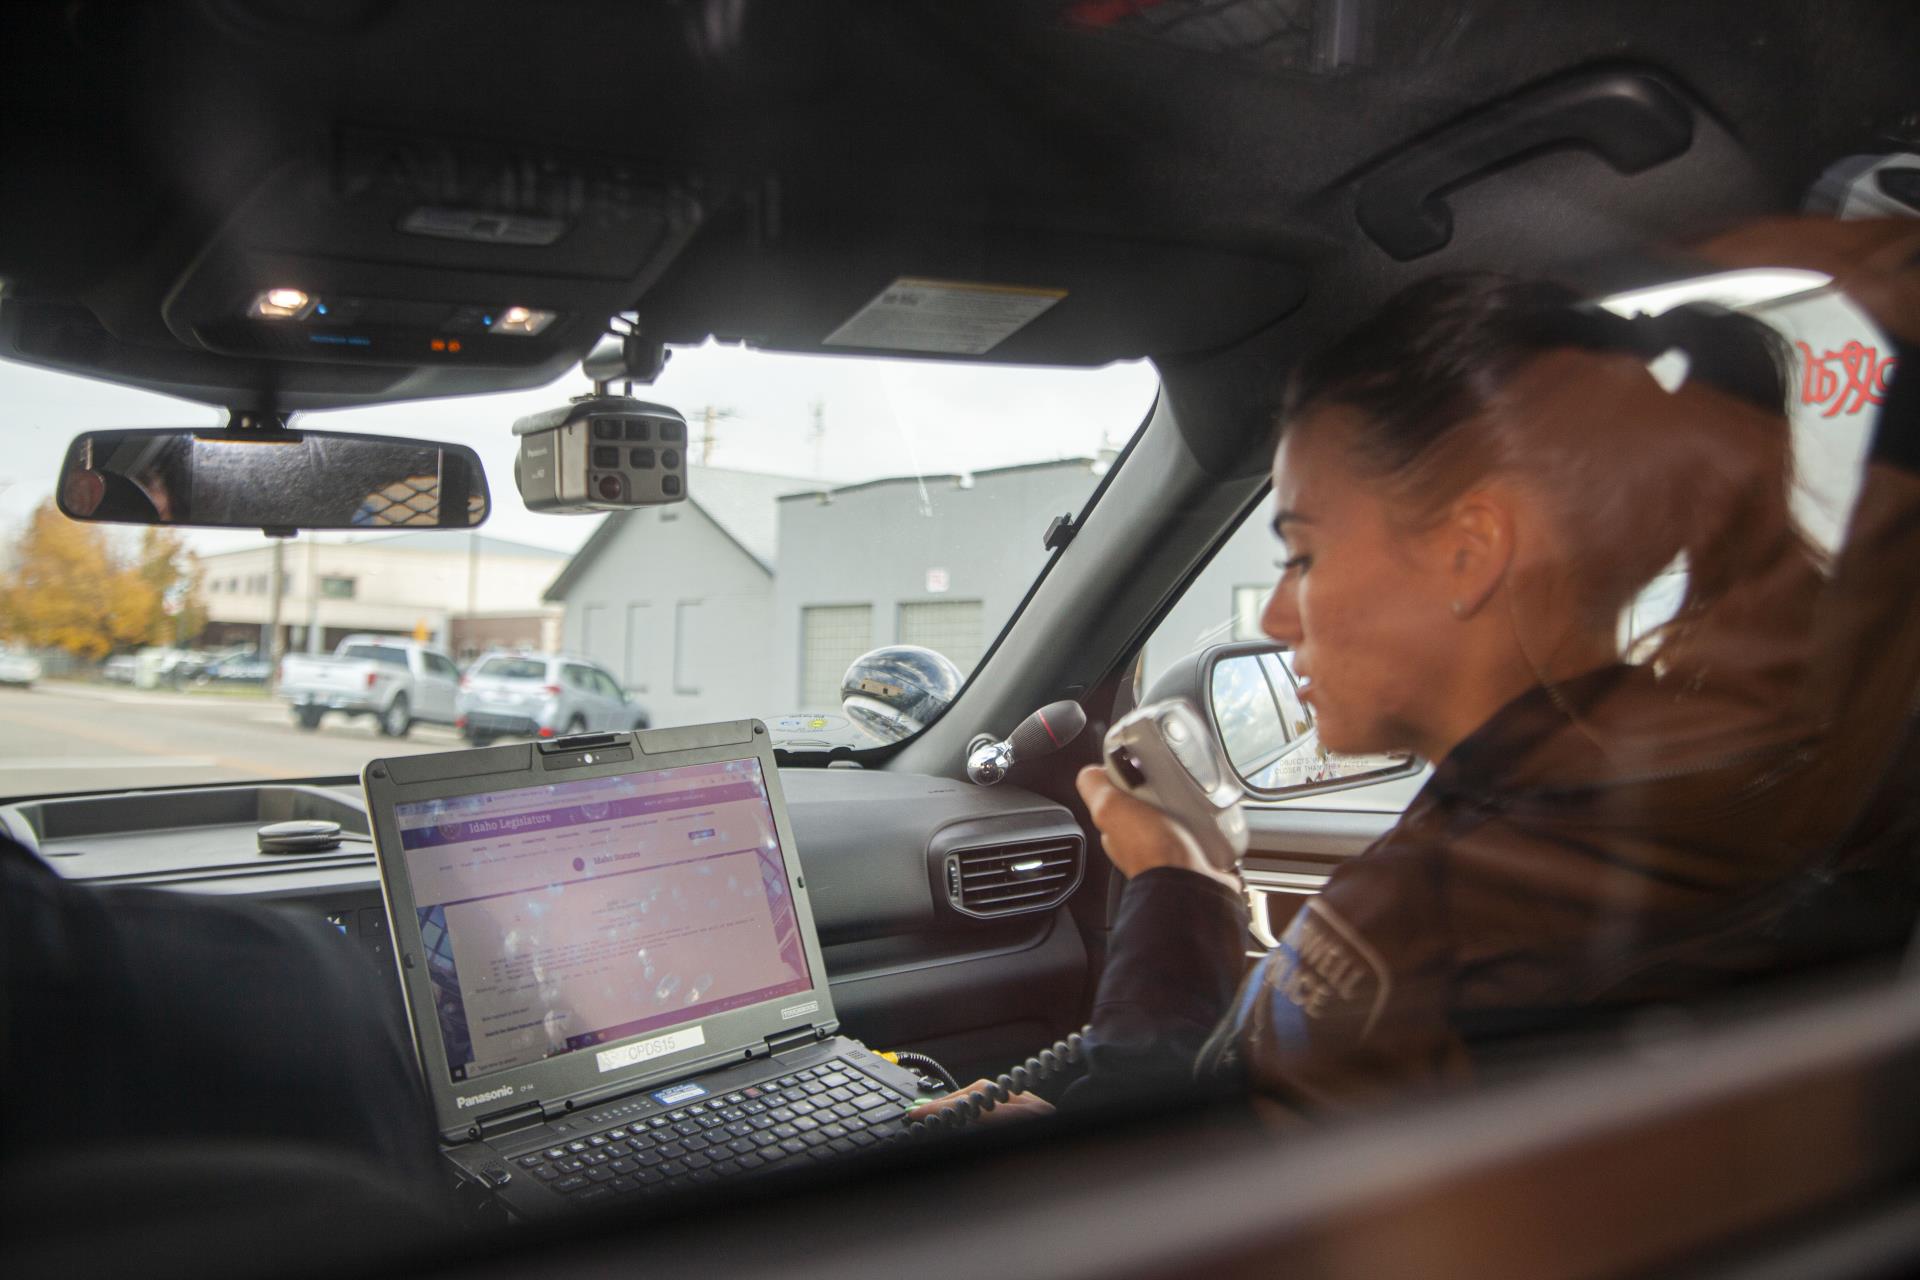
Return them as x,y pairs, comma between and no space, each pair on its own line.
1633,120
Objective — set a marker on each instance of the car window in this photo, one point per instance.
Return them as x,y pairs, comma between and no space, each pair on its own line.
607,686
376,653
512,669
575,676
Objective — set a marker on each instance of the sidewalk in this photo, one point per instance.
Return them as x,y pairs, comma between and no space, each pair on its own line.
149,697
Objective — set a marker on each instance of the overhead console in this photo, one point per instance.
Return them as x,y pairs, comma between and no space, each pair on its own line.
390,249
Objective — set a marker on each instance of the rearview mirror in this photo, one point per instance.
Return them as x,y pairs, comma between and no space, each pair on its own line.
1253,704
278,481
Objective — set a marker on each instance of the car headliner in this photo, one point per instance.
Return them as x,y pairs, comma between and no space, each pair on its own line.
1195,203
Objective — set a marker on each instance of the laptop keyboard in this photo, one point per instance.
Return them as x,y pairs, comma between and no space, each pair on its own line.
820,1113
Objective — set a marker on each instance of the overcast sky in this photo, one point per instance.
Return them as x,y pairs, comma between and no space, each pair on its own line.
882,418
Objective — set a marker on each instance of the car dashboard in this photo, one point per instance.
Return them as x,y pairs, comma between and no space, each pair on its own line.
930,942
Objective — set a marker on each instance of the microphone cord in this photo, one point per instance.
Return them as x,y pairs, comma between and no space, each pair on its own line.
1051,1061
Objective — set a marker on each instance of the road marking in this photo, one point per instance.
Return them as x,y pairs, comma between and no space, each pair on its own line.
107,762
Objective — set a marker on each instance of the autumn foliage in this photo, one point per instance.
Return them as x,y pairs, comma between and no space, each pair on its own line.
69,587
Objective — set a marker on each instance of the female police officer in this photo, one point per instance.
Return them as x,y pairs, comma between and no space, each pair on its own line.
1471,488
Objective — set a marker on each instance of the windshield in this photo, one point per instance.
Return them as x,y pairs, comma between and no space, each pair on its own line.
836,506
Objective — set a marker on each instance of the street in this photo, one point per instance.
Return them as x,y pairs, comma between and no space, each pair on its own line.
61,736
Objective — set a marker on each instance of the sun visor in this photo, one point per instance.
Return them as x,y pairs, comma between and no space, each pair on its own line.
399,250
1006,295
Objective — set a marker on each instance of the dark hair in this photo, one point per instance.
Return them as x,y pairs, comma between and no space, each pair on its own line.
1456,378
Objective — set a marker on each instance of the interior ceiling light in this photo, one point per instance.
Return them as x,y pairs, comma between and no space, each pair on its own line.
522,321
1735,290
280,304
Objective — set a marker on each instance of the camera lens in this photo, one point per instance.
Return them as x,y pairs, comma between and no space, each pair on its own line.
670,459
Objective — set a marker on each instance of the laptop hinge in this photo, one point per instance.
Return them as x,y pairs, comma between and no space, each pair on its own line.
793,1038
506,1121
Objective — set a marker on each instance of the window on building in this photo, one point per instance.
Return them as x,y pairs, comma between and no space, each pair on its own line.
686,618
1248,604
639,618
337,588
951,628
831,637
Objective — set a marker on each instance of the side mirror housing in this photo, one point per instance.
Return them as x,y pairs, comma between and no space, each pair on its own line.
1248,696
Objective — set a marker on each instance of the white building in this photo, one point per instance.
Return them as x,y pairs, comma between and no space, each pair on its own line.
677,601
753,596
400,584
940,561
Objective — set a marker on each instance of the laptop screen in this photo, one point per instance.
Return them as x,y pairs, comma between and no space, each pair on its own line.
561,917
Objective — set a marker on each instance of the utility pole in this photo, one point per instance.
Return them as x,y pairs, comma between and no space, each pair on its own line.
708,417
818,438
313,599
273,609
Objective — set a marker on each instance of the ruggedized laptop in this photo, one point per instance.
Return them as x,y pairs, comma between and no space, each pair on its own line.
611,967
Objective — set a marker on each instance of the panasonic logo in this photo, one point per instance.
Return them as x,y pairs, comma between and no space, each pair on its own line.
491,1095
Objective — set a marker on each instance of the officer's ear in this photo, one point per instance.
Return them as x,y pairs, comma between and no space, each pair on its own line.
1477,544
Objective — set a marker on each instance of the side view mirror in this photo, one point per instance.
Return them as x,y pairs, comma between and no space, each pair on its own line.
897,690
276,480
1250,699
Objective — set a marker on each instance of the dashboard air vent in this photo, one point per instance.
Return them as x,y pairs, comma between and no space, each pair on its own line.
1009,879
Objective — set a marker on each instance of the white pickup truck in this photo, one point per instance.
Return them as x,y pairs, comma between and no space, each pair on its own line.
396,681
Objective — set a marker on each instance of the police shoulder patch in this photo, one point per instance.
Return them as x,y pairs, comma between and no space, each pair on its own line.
1335,979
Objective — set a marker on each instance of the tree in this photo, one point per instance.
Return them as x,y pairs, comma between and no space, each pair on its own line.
69,590
169,602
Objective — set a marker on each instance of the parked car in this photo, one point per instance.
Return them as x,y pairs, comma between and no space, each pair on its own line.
541,695
119,668
397,681
18,668
172,668
238,668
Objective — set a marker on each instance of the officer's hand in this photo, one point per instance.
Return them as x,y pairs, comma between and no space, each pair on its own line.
1876,262
1137,836
1021,1106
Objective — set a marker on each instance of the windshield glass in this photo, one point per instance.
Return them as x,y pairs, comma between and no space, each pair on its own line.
836,505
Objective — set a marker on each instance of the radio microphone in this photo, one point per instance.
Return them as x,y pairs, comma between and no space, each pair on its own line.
1045,731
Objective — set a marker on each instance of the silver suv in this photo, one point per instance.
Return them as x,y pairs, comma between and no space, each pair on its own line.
541,695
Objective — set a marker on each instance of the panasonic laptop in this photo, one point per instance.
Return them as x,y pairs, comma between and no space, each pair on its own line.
611,968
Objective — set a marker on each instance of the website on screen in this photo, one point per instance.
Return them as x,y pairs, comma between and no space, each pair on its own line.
565,916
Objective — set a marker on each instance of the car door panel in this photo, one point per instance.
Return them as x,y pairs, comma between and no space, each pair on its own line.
1291,852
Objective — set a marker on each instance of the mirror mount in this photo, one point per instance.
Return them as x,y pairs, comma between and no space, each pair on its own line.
624,356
